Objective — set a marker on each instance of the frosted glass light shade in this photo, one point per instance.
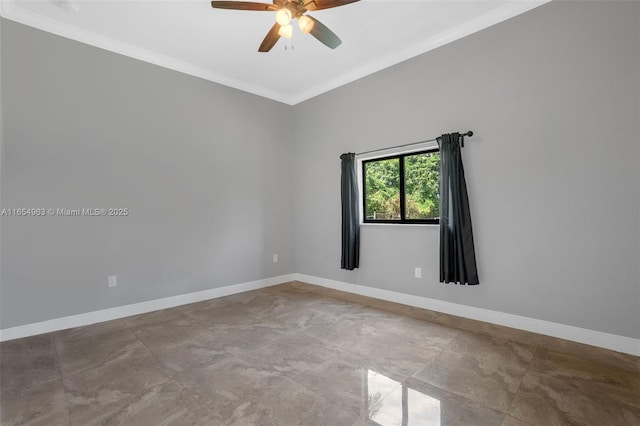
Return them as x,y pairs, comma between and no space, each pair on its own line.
306,24
283,17
286,31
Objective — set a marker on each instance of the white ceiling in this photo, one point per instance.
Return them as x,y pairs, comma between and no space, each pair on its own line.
222,45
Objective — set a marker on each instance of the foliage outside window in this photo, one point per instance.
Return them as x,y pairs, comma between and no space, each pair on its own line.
402,188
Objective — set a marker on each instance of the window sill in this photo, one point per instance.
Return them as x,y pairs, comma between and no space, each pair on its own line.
399,224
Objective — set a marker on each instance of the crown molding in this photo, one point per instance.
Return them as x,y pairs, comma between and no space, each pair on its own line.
481,22
8,10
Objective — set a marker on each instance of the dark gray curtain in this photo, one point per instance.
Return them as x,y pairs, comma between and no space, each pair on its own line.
457,253
350,213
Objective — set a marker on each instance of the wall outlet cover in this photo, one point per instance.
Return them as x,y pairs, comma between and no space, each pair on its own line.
112,281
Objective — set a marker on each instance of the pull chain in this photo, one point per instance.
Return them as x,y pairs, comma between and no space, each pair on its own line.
286,44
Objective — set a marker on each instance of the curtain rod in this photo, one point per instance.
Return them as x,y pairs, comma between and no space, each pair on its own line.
469,133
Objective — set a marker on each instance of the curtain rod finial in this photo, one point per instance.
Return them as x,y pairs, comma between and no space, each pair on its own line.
469,133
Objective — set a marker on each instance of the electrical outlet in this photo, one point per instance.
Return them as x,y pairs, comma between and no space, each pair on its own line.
275,258
418,272
112,281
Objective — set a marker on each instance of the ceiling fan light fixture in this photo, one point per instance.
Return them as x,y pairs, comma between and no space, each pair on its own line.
286,31
306,24
283,16
286,11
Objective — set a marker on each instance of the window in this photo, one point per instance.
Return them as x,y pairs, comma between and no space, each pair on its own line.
402,188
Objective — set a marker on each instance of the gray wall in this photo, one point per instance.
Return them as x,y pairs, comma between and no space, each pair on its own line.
201,167
553,171
205,170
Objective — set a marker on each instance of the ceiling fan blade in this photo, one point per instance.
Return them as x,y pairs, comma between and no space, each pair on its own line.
271,39
326,4
243,5
324,34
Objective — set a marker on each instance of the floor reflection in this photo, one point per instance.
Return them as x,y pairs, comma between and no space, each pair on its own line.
390,403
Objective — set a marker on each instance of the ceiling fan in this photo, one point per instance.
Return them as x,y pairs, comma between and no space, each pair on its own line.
286,10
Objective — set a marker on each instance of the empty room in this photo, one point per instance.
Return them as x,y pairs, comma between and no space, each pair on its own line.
319,212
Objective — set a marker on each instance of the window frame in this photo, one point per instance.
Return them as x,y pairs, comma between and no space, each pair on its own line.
403,220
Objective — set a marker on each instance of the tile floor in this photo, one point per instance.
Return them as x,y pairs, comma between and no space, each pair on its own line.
296,354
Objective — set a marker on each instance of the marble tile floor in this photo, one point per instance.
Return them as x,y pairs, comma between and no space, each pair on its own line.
296,354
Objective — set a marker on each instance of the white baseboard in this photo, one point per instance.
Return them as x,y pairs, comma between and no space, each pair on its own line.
136,308
582,335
